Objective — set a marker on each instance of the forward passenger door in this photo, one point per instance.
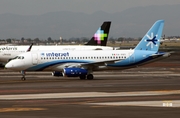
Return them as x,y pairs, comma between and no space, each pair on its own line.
34,59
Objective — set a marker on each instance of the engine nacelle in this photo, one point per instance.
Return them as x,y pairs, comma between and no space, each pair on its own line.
57,73
74,72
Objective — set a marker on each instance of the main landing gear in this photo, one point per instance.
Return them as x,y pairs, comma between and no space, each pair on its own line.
89,77
23,78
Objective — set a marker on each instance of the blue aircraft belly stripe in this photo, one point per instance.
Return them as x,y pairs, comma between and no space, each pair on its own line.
43,66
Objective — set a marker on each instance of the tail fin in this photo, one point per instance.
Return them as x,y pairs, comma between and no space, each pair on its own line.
151,40
29,49
101,35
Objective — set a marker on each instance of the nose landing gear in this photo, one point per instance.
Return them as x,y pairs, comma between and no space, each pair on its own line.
23,78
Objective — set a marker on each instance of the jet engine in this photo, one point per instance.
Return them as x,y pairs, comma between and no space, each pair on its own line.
74,72
57,73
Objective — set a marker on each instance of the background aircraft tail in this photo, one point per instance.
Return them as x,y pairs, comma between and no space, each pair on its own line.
101,35
29,49
151,40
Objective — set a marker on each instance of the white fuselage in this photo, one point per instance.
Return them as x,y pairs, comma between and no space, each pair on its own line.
58,60
8,52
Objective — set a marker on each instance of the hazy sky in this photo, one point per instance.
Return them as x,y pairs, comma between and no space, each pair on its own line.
37,7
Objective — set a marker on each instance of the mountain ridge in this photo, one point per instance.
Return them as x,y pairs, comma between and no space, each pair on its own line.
133,22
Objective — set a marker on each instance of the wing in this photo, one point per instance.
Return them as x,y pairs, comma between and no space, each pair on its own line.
89,65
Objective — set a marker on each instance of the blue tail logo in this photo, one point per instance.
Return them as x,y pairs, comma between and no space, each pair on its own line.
152,40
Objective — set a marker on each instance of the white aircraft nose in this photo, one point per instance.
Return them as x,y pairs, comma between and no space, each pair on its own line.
8,65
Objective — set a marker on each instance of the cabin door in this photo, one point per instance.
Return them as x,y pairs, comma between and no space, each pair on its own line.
34,59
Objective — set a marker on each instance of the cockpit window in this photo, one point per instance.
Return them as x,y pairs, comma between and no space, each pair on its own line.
14,58
19,57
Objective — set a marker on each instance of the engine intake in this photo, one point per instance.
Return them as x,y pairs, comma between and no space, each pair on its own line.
57,73
74,72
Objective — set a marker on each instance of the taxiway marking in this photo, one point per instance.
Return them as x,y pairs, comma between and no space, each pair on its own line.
171,103
2,110
86,95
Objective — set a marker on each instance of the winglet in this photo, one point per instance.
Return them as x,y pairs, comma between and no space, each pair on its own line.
151,40
101,35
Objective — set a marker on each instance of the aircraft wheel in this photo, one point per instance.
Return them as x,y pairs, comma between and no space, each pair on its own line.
82,77
90,77
23,78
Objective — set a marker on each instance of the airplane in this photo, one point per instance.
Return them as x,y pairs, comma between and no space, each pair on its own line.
97,42
82,63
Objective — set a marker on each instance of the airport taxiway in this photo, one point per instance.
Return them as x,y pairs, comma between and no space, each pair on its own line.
139,92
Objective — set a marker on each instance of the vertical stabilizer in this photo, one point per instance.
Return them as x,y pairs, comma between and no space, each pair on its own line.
151,40
101,35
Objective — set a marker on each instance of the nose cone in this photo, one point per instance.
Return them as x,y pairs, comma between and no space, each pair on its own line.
9,65
15,65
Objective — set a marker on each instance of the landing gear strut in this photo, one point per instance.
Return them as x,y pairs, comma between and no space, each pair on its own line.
23,78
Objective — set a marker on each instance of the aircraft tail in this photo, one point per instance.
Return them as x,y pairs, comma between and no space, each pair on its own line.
151,40
29,49
101,35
